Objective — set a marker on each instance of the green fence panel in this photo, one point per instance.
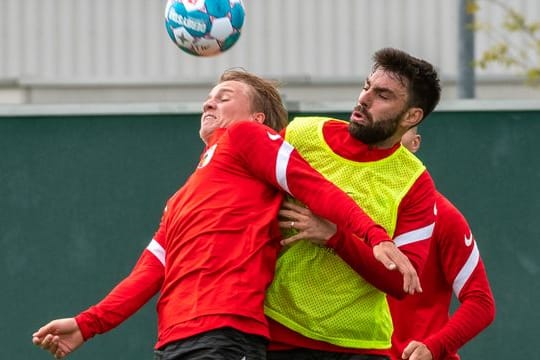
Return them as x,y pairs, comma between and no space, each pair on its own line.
82,196
81,199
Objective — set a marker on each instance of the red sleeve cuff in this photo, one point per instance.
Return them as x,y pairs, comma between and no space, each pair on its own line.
377,235
84,321
336,239
436,348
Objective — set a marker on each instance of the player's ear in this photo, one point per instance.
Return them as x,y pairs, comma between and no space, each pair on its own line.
413,117
415,144
259,117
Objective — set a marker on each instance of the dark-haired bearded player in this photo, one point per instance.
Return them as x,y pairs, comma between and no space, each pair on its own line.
319,306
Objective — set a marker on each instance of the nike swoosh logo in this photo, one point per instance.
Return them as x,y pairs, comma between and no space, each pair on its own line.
468,240
273,137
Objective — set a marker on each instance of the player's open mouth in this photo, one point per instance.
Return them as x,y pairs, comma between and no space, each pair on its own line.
359,117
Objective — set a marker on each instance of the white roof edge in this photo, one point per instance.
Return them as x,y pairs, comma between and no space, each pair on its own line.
99,109
196,107
446,105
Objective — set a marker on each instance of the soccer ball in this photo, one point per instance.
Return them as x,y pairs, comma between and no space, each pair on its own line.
204,27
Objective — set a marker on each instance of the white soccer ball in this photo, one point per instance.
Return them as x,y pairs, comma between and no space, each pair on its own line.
204,27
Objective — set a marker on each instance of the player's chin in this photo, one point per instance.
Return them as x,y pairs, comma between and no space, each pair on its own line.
356,127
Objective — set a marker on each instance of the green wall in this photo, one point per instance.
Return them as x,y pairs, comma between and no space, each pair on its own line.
82,196
488,164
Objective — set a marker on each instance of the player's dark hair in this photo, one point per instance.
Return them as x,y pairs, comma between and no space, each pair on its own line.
265,97
419,76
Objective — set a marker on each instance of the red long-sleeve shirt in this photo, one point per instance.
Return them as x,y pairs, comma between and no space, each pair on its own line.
454,266
214,253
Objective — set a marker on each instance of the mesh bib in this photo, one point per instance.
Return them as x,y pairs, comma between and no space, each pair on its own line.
314,292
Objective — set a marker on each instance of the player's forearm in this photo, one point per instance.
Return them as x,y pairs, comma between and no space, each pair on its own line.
278,162
359,256
124,300
473,315
331,203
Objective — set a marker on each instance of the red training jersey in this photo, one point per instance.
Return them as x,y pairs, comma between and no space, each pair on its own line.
454,266
214,253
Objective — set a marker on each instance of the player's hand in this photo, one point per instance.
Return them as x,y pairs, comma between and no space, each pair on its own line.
391,257
59,337
416,351
308,226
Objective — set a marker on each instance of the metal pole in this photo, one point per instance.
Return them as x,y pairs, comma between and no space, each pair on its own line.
465,78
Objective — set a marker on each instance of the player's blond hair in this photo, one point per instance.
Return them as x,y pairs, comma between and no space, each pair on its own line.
265,97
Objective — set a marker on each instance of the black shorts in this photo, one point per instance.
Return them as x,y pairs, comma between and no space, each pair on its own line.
219,344
307,354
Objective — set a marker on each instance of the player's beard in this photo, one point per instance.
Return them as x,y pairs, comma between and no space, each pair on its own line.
375,131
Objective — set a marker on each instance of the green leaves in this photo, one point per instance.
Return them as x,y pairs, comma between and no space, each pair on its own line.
515,42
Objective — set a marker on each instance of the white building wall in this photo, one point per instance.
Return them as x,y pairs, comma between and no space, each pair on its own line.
113,51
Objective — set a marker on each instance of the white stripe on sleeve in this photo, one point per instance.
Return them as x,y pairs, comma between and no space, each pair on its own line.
466,271
283,157
414,236
155,248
